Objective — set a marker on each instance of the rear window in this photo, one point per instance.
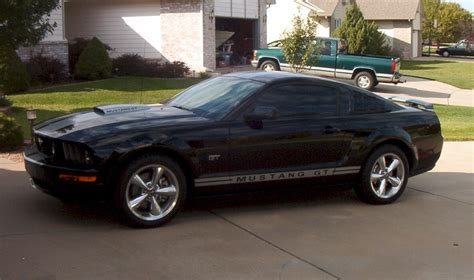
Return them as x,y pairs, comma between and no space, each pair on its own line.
366,103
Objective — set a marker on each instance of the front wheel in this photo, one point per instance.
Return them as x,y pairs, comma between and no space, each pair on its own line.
365,80
150,191
269,65
446,54
384,176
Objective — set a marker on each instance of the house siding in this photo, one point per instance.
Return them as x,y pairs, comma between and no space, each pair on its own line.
125,27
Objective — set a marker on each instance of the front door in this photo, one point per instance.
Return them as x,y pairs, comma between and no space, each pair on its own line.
305,135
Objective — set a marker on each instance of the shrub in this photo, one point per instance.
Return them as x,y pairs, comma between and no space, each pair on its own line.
204,75
13,74
176,69
76,47
45,69
134,65
94,63
11,136
4,102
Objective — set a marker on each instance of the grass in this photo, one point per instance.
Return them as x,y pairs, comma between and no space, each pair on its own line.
458,74
457,122
84,96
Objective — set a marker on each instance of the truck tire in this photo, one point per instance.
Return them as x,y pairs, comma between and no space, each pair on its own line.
365,80
269,65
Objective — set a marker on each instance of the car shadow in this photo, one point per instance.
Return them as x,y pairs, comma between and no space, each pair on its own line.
24,209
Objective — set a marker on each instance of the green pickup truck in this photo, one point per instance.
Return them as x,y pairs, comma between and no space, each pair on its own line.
366,70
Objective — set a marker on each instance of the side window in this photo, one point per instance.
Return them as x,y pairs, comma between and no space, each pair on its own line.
327,46
297,100
363,103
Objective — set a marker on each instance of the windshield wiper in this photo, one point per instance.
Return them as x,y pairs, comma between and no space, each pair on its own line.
182,108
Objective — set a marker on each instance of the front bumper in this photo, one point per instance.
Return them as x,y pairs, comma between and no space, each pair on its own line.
46,177
254,63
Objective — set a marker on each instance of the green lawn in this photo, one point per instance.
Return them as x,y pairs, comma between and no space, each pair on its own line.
458,74
457,122
84,96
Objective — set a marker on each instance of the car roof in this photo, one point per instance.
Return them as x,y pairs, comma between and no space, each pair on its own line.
279,76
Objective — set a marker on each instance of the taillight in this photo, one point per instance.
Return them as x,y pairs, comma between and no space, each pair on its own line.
394,66
254,56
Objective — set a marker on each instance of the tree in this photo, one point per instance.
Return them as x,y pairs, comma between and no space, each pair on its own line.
361,36
451,17
430,8
299,44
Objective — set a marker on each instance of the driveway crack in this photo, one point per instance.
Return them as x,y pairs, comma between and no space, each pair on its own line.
447,197
273,244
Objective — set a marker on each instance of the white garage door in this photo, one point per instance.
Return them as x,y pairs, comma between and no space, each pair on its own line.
237,8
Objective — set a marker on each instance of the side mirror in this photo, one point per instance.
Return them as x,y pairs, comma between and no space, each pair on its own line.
261,113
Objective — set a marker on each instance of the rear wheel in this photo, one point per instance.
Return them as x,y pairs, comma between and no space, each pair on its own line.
365,80
446,54
384,176
269,65
150,191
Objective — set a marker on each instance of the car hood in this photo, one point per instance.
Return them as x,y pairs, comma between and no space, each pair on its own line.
108,121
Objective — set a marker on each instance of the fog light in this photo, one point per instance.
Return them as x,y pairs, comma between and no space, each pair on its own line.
74,178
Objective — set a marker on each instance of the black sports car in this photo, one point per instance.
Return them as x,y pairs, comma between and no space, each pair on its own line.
251,129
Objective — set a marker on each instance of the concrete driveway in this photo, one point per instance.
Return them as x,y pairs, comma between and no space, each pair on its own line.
311,234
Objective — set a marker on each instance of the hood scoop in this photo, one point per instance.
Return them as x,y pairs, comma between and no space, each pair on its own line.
119,108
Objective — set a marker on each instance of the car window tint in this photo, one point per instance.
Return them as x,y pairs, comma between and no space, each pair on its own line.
291,100
363,103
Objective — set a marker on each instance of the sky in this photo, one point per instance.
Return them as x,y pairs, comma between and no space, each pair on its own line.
466,4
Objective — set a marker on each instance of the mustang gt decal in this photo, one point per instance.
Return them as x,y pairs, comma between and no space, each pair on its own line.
253,178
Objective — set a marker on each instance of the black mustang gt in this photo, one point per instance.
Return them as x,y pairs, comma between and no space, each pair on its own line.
236,131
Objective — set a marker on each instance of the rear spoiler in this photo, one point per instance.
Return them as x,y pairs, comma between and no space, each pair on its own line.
412,103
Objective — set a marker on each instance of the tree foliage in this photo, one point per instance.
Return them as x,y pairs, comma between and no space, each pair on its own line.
25,22
13,74
299,44
94,62
453,22
361,36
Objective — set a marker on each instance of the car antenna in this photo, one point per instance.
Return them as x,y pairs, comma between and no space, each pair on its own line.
142,80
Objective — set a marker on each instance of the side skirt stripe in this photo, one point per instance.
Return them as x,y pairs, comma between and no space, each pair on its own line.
252,178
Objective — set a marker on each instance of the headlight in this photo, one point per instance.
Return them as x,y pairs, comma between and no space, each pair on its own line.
76,154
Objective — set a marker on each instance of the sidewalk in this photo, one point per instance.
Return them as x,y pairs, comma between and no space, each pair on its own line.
427,90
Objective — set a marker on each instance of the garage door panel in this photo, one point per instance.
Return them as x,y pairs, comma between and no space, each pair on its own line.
237,8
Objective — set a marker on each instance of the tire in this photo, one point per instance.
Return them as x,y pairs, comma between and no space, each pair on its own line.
269,65
372,176
365,80
144,203
446,54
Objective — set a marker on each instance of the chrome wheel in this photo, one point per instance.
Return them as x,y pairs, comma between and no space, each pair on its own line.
387,176
152,192
363,82
268,67
446,54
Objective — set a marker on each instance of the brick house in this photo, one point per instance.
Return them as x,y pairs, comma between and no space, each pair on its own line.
400,20
184,30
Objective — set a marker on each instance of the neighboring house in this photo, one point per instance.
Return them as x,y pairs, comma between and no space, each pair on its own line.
183,30
400,20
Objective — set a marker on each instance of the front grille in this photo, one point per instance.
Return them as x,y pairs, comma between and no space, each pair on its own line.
46,145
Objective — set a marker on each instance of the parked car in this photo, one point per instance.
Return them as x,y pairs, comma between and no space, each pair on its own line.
463,48
334,62
233,132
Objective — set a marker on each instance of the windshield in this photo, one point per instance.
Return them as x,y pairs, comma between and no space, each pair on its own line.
215,98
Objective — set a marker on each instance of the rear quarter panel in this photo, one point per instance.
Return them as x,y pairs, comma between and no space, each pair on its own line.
381,65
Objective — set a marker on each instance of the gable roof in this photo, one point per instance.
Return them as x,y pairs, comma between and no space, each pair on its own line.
388,9
325,7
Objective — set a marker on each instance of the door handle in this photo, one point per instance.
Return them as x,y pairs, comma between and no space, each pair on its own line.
331,130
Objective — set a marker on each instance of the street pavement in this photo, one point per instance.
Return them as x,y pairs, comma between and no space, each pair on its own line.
307,234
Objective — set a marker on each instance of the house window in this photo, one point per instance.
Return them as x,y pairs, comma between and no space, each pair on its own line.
338,22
